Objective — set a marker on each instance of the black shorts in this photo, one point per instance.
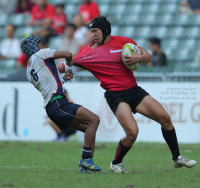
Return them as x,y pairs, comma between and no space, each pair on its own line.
132,97
62,112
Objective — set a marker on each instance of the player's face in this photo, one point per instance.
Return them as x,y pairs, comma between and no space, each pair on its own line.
97,35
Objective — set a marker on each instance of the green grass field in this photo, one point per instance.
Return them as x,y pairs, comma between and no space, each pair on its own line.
46,165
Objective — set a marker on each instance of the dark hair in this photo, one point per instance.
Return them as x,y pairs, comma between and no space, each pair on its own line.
72,25
155,40
60,5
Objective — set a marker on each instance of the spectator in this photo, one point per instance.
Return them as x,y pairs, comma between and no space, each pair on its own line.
190,7
59,22
89,10
158,57
24,6
81,30
69,43
7,6
88,41
42,14
10,47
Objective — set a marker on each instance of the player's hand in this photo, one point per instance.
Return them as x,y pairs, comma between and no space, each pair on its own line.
70,63
130,60
68,75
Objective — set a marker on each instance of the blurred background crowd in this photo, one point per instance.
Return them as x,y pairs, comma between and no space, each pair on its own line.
168,29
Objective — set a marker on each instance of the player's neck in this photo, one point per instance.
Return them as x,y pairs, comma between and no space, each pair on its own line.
107,39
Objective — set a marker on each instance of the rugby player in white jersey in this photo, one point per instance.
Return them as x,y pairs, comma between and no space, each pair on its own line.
43,73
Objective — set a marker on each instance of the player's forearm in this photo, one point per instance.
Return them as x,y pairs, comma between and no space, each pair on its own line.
63,68
146,57
64,54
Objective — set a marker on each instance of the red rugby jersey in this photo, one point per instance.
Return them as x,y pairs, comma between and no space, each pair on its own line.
105,63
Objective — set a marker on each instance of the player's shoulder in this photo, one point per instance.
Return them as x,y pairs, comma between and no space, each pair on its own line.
121,38
82,53
124,40
45,53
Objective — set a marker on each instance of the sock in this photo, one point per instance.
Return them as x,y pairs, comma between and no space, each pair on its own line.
120,153
86,152
171,139
60,134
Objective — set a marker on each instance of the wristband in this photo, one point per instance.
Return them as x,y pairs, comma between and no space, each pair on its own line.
63,80
63,67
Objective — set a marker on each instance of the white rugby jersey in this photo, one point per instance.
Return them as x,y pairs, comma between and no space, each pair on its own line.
44,75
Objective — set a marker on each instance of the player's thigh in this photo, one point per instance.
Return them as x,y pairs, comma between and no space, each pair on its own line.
85,116
152,109
79,125
125,118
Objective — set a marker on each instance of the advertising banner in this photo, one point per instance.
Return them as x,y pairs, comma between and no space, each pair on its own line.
22,115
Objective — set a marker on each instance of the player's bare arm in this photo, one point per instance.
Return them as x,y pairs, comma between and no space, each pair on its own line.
145,57
63,54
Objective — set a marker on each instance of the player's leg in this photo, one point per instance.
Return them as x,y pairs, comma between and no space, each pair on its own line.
65,114
127,121
87,122
152,109
78,125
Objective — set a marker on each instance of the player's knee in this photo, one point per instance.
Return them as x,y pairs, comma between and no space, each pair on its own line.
132,135
165,119
84,127
95,121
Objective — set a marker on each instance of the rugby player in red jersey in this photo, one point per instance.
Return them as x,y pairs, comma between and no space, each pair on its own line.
103,59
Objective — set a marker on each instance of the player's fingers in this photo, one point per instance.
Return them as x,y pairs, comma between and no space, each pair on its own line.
134,51
127,61
127,57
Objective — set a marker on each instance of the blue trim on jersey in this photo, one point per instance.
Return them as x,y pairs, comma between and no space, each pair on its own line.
54,71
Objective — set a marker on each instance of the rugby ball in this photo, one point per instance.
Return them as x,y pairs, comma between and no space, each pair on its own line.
127,50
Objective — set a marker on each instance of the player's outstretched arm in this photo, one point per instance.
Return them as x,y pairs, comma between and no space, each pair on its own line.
64,54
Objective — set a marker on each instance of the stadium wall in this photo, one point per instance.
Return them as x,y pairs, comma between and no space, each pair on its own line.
22,115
